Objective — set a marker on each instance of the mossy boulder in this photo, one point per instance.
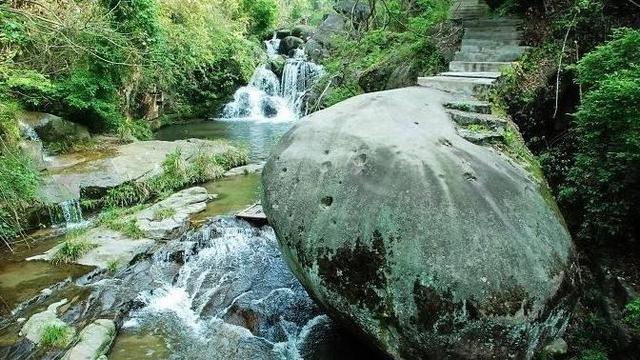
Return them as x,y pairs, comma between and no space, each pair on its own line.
426,244
302,31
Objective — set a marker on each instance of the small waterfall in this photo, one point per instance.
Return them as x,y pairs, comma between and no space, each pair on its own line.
298,77
266,98
260,100
29,133
68,214
272,46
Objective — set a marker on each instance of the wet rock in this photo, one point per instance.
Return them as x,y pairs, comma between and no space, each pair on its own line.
169,218
318,46
35,151
276,65
245,170
356,10
289,44
108,246
94,176
463,256
35,327
54,129
95,341
557,347
303,32
283,33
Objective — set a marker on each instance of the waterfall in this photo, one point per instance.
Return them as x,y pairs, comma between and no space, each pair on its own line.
266,98
68,214
260,100
272,46
298,77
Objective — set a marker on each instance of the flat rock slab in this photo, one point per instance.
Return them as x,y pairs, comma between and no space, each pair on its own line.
178,208
34,328
95,341
109,246
113,167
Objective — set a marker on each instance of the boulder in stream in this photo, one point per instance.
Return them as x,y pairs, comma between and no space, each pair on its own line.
289,44
427,245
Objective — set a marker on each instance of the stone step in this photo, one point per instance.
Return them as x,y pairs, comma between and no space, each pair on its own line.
470,105
457,85
467,74
493,22
490,42
465,118
500,28
477,66
481,136
492,35
488,56
492,48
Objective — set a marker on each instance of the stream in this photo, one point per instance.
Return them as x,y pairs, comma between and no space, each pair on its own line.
221,291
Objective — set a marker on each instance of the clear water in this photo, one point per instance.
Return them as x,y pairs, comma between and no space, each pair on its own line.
259,137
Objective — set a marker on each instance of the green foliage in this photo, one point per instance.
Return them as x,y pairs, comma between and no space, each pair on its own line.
593,355
19,183
398,46
262,14
56,335
632,314
113,265
622,52
604,181
74,245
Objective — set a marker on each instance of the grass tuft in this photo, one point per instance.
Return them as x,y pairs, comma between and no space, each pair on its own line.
73,247
56,335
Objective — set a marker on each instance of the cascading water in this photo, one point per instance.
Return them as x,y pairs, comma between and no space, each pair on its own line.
234,297
68,214
297,78
266,98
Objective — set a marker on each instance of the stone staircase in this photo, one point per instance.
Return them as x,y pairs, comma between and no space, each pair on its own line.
488,46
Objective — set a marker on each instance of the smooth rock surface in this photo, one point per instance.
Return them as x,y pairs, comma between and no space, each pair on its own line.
428,245
97,173
95,341
36,325
51,128
180,207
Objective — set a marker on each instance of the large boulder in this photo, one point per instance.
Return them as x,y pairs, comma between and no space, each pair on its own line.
358,11
54,129
289,44
304,32
426,244
318,46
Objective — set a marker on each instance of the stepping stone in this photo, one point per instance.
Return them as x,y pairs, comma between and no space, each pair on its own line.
481,137
464,118
457,85
468,74
470,105
478,66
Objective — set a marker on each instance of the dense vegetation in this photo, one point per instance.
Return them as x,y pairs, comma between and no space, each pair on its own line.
388,46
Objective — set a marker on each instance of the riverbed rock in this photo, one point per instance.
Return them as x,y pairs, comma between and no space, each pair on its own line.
94,174
35,327
289,44
95,341
318,46
303,32
427,245
54,129
169,218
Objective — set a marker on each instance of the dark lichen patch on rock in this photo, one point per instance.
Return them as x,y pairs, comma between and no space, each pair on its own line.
357,273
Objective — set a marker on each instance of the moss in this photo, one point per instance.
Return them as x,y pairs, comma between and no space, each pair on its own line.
56,335
632,314
118,219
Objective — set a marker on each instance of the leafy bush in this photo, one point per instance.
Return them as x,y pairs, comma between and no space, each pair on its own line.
262,14
604,181
632,314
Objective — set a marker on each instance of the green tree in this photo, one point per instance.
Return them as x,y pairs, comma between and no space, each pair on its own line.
604,183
